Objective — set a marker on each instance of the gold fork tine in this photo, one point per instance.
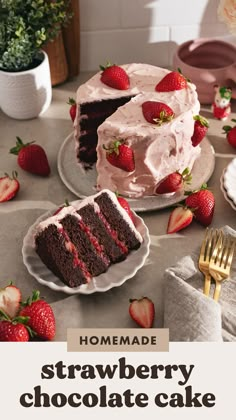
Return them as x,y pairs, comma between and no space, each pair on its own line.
217,247
230,256
206,250
221,262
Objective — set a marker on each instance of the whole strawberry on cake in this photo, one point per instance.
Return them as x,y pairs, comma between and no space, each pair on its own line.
136,122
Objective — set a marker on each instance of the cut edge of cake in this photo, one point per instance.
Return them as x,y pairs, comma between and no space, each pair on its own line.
84,239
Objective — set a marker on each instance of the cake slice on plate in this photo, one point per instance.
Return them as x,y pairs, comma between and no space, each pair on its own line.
83,240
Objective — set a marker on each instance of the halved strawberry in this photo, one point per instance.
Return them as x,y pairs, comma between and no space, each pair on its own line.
115,77
120,155
172,81
10,298
201,126
179,218
124,203
174,182
157,112
142,311
72,110
9,187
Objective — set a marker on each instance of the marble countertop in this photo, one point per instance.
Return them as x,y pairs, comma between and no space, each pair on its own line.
37,195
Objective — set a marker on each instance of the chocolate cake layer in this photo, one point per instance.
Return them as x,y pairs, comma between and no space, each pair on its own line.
86,244
111,249
92,115
51,247
117,222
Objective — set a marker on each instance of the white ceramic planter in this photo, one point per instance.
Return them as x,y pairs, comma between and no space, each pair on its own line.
26,94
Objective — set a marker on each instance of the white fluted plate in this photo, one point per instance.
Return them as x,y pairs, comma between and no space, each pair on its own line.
229,180
115,276
82,183
224,191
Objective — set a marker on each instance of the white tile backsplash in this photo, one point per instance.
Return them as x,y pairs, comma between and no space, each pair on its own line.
148,31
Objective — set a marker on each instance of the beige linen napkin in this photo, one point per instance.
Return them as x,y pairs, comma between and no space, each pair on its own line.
188,313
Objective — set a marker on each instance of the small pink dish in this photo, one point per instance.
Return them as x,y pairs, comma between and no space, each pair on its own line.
207,62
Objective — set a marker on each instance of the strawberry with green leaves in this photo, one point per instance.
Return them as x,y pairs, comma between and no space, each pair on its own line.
172,81
72,109
40,316
174,182
230,133
157,112
142,311
201,126
202,203
115,77
120,155
9,187
31,157
13,330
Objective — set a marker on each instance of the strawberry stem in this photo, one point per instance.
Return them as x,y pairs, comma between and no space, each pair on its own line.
226,129
14,175
113,147
203,121
107,65
4,316
19,145
71,101
35,296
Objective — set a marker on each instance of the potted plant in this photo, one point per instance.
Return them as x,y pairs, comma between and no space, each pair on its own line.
25,26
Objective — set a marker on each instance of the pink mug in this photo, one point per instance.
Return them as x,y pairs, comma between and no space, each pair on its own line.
207,62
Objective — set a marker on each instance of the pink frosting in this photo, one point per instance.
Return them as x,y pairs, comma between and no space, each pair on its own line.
158,150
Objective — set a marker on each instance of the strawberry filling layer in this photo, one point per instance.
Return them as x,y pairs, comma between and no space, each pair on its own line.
77,262
113,234
98,247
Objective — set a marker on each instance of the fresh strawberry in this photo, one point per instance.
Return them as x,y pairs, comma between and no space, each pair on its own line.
179,219
142,311
31,157
200,129
157,112
174,182
230,133
124,203
72,110
10,298
202,202
115,77
9,187
172,81
120,155
13,329
41,317
66,204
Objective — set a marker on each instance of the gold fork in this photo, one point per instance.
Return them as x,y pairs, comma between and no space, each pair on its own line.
207,248
221,261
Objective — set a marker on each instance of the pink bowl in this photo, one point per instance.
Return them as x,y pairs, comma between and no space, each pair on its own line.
207,62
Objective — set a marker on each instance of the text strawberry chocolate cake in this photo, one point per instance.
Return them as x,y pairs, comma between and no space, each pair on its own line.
136,122
81,241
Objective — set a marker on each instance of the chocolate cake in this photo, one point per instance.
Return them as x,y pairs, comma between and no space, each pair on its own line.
81,241
106,115
92,116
